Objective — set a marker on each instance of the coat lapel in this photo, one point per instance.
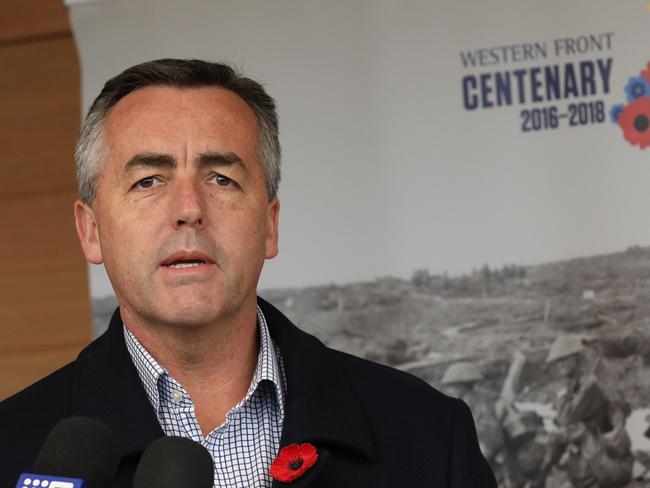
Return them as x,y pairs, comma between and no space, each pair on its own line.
320,405
108,388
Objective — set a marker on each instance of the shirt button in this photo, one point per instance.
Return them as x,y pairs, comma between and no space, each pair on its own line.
177,396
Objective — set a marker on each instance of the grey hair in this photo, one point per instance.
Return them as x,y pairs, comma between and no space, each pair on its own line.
91,151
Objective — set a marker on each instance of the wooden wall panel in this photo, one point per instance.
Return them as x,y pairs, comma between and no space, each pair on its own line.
44,302
40,116
28,365
25,19
43,286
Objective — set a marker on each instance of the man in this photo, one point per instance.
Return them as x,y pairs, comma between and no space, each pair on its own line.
524,438
464,380
591,442
178,167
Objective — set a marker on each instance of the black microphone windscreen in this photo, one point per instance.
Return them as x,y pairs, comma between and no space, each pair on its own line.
172,462
80,447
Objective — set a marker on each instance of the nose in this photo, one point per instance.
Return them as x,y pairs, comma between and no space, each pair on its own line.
187,205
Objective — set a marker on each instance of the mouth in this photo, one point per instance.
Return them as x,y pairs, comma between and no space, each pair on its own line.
187,260
185,264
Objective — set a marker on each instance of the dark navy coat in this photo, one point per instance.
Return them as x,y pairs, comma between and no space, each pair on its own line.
373,426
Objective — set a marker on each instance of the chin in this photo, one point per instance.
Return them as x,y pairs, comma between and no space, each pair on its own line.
193,311
188,315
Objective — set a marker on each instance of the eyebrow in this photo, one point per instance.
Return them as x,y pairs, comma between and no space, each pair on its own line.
150,160
218,159
155,160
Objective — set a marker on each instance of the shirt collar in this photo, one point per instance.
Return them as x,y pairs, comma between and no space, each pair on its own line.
269,366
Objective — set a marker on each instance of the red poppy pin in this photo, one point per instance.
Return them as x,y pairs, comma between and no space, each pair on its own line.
292,462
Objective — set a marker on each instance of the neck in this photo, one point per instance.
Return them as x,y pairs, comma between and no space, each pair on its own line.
214,362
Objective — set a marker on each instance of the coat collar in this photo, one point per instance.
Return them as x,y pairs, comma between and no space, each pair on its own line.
321,406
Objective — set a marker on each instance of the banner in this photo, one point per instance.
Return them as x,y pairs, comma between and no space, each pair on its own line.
464,197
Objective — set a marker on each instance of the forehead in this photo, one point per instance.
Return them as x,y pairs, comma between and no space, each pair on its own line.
161,118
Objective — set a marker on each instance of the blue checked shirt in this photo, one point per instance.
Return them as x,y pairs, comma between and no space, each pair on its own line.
244,446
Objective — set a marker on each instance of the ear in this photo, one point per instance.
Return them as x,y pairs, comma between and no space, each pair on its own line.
86,224
272,215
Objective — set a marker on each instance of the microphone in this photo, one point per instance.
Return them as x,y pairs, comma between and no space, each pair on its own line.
174,462
79,452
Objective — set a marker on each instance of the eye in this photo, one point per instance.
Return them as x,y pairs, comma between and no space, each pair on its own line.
221,180
146,183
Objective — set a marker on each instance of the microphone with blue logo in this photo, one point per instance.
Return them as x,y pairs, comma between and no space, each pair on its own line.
79,452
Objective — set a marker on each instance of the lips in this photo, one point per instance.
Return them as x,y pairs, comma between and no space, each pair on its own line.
186,259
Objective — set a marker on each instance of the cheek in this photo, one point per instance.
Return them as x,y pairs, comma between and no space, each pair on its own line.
243,220
243,238
123,242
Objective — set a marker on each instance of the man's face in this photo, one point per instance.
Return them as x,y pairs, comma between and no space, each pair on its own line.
181,219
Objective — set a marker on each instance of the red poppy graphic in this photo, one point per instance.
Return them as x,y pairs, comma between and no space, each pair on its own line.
646,72
292,462
635,122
